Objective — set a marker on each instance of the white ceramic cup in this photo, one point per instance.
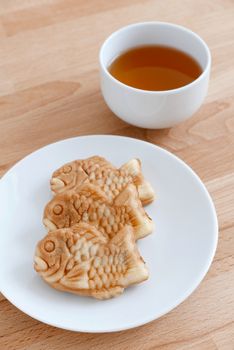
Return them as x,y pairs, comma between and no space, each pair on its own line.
154,109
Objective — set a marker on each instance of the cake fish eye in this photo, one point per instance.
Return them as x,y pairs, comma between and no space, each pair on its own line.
58,209
49,246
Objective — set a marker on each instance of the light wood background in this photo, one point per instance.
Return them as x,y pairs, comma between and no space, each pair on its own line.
49,90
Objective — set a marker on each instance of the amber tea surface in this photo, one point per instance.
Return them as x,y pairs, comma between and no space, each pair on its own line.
155,68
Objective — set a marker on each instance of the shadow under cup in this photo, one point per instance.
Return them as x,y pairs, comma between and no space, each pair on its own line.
154,109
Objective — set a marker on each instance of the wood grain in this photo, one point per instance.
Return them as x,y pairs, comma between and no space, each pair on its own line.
49,90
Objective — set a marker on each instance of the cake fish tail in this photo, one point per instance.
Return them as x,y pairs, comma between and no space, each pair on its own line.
139,219
145,190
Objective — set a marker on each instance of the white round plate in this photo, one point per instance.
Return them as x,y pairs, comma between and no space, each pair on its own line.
178,253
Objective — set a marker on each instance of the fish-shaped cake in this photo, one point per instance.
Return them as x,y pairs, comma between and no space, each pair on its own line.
88,204
98,171
81,260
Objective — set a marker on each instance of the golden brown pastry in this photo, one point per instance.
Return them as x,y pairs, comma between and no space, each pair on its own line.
81,260
88,204
98,171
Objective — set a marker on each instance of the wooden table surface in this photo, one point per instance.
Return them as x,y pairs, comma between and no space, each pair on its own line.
49,90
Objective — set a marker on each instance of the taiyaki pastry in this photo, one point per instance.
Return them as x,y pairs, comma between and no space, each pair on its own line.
81,260
88,204
98,171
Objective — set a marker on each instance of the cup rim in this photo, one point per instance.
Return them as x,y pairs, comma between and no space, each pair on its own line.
155,92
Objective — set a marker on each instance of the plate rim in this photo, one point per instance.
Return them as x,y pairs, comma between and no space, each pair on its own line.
185,295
